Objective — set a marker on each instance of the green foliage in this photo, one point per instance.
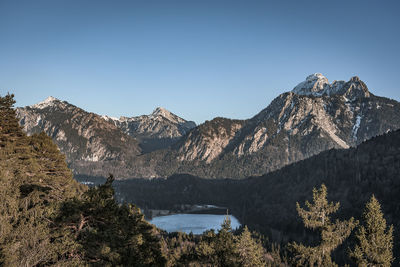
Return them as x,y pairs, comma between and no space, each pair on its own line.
109,234
225,248
218,249
251,253
47,218
33,183
375,241
317,216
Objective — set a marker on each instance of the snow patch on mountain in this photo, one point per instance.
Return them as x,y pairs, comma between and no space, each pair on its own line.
318,85
315,84
48,102
108,118
356,126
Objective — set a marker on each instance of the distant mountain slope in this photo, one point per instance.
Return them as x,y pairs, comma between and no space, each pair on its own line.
314,117
97,145
155,131
208,140
81,135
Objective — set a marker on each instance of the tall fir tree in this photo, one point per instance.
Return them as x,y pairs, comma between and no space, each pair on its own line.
218,249
250,251
225,244
317,217
375,241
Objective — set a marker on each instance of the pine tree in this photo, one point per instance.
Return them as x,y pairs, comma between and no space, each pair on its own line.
251,253
375,241
225,245
218,249
317,217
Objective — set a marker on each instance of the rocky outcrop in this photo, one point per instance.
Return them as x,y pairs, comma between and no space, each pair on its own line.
209,140
317,85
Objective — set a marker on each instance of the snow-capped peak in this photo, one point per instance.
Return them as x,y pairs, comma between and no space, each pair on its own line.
48,102
317,85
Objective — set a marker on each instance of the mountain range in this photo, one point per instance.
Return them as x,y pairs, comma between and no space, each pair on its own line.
313,117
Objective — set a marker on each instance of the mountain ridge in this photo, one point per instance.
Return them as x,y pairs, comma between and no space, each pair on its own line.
315,116
296,126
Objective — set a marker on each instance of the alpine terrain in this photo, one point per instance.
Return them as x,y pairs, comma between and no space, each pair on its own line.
315,116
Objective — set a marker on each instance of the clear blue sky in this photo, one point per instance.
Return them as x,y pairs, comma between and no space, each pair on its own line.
199,59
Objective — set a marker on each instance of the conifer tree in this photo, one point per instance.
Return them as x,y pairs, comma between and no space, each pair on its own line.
225,245
106,233
317,217
218,249
250,252
205,250
375,241
29,197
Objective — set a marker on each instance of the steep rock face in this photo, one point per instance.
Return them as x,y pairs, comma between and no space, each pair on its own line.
155,131
209,140
315,116
80,135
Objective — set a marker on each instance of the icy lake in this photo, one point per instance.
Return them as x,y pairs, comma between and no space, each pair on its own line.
196,223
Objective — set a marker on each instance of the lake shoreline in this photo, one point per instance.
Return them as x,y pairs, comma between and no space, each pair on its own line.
193,223
186,209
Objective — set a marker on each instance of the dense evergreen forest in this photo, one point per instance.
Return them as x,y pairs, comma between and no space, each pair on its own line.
49,219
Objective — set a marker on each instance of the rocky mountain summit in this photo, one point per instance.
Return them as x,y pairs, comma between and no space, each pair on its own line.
158,130
313,117
317,85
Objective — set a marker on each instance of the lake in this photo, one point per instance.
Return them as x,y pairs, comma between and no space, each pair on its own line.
196,223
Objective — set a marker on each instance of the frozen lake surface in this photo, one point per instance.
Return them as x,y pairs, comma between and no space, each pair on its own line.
196,223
